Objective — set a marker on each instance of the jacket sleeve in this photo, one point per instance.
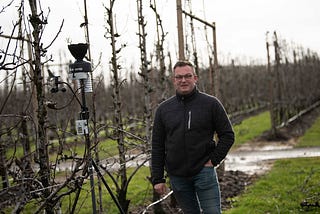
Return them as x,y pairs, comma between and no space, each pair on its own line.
225,135
158,150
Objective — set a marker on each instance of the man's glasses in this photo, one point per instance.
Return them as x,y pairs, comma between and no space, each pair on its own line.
186,77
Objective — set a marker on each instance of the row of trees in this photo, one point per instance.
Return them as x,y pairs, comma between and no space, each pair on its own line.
31,116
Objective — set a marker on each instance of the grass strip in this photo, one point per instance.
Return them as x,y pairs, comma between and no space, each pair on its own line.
290,182
312,136
251,127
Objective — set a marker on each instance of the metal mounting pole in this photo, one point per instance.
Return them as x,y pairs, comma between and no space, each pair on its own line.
83,129
84,115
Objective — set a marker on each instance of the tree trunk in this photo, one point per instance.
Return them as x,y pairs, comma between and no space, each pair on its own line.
44,171
119,135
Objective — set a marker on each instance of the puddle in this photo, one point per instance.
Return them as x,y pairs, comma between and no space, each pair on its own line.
258,161
267,145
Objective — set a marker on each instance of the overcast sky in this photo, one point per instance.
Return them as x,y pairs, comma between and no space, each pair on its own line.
241,25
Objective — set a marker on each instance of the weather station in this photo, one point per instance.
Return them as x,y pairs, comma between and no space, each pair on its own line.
79,71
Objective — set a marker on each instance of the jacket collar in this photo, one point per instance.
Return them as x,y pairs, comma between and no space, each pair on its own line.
186,97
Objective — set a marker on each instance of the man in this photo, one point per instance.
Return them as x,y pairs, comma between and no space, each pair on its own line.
183,144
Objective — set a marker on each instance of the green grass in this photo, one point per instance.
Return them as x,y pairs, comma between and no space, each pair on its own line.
312,136
252,127
139,193
283,189
107,148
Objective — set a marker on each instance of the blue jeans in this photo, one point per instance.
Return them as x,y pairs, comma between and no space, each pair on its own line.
199,193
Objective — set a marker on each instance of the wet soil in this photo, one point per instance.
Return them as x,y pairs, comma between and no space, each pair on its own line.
233,183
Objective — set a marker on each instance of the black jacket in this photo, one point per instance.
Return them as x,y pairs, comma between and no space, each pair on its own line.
183,133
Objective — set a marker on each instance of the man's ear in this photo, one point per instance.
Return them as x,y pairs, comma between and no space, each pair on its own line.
172,78
196,79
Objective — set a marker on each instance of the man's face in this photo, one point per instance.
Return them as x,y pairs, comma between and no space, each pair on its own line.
184,79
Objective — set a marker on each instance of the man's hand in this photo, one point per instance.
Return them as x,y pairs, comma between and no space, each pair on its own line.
208,164
160,188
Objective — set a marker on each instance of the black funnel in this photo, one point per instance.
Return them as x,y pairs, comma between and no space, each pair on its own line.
78,51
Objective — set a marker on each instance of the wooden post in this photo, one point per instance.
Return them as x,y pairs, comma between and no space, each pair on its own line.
216,82
271,92
278,95
211,75
180,30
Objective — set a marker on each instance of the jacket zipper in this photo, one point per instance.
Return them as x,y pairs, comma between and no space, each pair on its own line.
189,121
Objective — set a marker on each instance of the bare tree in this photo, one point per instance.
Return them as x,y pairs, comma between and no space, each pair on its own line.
145,74
38,22
145,71
161,78
11,62
33,185
119,134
